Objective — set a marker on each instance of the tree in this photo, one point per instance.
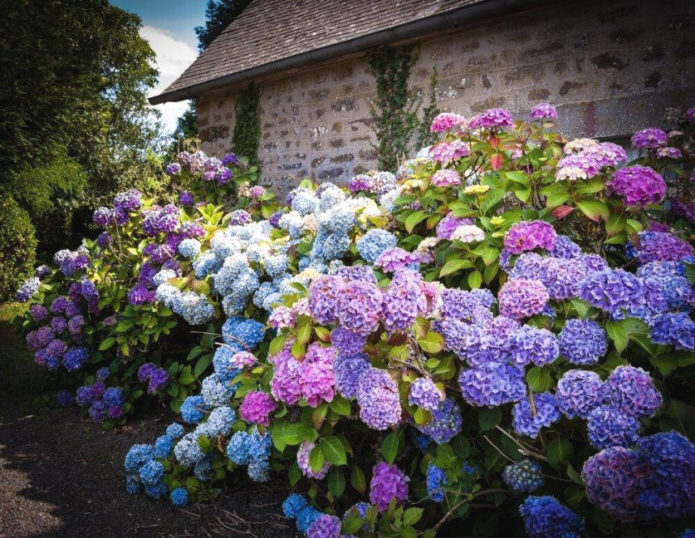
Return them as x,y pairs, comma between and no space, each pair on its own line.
218,15
75,123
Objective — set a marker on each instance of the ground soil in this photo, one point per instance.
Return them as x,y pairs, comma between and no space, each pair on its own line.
61,475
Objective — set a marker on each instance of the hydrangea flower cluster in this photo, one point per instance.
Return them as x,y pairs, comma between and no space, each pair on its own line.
388,483
545,517
525,475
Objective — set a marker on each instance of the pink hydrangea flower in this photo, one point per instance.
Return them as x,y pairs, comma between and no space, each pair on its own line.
446,121
242,359
282,317
492,118
317,382
446,151
256,408
445,178
521,298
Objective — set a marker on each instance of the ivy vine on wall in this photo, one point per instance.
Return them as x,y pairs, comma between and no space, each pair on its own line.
425,136
395,107
247,128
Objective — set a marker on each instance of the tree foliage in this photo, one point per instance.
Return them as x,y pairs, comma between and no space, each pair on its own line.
218,15
76,124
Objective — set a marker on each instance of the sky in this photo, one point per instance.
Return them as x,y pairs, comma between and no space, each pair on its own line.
168,25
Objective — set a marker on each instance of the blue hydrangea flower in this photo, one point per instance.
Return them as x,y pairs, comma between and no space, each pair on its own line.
528,420
293,504
163,447
258,470
137,456
608,426
156,491
193,409
215,392
175,430
436,478
132,484
239,447
187,451
582,341
245,331
374,242
306,517
524,475
675,329
189,248
151,473
545,517
492,386
445,424
611,290
347,372
222,362
259,445
179,497
113,397
219,422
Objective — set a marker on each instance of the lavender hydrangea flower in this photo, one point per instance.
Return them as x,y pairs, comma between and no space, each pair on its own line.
492,386
531,345
346,342
520,298
542,111
359,307
529,419
347,372
650,138
578,392
492,118
662,246
425,394
448,224
388,483
325,526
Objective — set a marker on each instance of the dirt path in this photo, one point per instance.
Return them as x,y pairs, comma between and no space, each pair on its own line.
62,476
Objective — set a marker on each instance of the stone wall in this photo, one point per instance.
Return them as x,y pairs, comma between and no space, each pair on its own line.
610,68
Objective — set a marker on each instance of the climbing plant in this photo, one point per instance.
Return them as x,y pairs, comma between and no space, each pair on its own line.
247,129
425,136
394,109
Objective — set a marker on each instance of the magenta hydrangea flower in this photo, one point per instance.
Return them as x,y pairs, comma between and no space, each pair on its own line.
303,461
447,121
388,483
529,235
520,298
492,118
638,185
446,151
316,381
543,110
256,408
649,138
361,183
445,178
449,223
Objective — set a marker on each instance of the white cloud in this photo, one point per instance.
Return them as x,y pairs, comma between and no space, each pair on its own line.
173,57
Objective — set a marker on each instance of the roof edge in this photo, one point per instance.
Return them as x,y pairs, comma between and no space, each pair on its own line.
449,19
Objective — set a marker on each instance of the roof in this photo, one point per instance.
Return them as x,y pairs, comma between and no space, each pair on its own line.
268,33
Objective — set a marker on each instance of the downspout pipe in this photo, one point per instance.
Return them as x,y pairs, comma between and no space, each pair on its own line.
455,18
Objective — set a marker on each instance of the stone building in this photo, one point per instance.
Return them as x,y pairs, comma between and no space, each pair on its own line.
610,67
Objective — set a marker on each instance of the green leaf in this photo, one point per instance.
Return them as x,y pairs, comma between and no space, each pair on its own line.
358,480
201,365
594,209
186,377
336,481
538,379
340,406
390,446
316,459
560,451
555,194
284,433
432,342
617,332
518,177
475,279
411,516
452,266
414,219
107,343
489,418
276,345
352,523
294,474
591,186
197,350
574,475
304,332
333,450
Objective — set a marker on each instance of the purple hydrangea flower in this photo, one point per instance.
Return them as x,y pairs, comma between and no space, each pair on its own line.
347,372
323,298
446,121
346,342
531,345
425,394
492,118
579,392
129,200
632,391
492,386
326,526
611,290
529,235
388,483
445,423
638,185
359,307
662,246
545,517
542,111
675,329
448,224
303,452
650,138
520,298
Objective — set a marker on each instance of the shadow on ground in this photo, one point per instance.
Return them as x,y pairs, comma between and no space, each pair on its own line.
62,475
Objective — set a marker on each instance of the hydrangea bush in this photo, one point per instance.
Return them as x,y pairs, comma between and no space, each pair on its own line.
501,328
